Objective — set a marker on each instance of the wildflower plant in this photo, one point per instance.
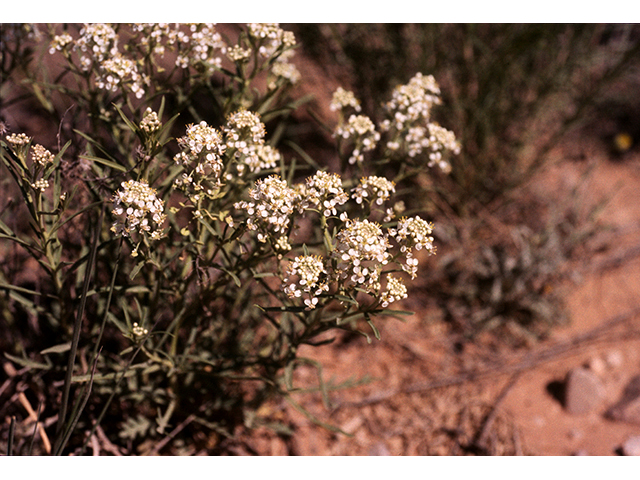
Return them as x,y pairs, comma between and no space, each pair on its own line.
213,256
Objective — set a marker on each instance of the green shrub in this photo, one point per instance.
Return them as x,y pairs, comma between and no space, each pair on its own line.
176,279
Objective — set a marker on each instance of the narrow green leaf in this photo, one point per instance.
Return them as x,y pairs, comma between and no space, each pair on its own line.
134,128
63,347
105,162
19,289
235,278
136,270
25,362
376,332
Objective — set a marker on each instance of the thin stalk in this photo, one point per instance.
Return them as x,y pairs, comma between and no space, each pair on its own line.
76,416
35,428
109,296
12,431
76,333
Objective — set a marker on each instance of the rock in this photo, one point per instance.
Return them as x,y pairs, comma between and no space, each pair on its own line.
583,391
631,447
379,450
627,409
614,359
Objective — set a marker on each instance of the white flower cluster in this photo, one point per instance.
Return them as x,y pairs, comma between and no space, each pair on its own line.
150,122
244,136
60,42
271,40
202,46
283,68
117,71
324,192
139,209
413,233
243,126
262,157
97,42
271,37
153,35
441,139
360,254
305,279
395,291
413,101
373,190
363,132
343,99
201,157
410,125
270,211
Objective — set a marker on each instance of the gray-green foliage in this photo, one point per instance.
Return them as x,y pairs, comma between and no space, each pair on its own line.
179,276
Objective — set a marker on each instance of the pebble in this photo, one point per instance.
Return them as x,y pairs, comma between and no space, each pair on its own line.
583,391
631,447
614,359
379,450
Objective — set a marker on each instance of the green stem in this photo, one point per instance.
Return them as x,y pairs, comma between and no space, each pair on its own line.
76,333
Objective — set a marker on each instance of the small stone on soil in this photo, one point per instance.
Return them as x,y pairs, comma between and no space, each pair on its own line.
614,359
631,447
583,391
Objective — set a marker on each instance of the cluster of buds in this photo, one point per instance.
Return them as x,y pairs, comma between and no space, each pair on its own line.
138,333
41,155
150,122
19,143
236,53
